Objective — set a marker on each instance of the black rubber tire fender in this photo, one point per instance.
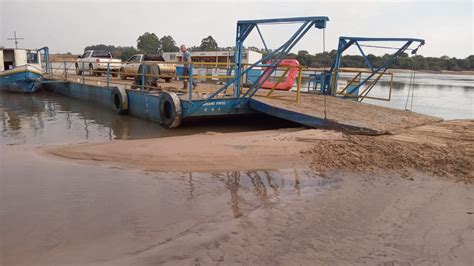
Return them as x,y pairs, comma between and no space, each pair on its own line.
119,100
170,109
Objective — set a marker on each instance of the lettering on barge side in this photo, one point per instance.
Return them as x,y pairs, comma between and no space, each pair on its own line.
214,106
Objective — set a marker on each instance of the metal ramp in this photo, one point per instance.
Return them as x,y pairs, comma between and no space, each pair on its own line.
322,111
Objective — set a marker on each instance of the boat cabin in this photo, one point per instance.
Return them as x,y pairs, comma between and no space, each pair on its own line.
13,58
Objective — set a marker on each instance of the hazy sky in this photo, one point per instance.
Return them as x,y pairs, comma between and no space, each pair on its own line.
69,26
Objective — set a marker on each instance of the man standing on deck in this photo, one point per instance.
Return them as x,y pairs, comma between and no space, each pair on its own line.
186,64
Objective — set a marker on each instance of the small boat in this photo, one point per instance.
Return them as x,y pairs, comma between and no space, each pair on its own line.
22,70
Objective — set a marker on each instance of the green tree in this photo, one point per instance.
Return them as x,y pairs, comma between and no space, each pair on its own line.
209,44
104,47
168,44
470,61
303,57
127,52
149,43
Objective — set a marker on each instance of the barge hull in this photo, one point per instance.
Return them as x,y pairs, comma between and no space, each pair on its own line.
143,104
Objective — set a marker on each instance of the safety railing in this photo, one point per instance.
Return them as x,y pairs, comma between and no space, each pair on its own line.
112,75
362,90
280,74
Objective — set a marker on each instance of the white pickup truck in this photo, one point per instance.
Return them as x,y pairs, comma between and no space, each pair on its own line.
95,63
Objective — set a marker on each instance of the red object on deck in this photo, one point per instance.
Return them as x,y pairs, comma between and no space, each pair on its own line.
287,84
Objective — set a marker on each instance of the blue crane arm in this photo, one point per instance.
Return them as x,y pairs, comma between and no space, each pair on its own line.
370,39
244,28
346,42
320,21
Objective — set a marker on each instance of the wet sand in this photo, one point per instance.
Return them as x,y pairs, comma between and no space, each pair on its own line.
110,216
209,152
443,149
358,220
275,197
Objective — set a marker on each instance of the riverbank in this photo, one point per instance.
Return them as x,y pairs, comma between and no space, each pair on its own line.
335,199
364,199
444,149
63,213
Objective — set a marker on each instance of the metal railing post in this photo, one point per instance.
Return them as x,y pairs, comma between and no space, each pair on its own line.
143,77
65,71
108,74
82,72
298,90
191,83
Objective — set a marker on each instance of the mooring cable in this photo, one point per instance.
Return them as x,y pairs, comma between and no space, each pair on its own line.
409,91
411,85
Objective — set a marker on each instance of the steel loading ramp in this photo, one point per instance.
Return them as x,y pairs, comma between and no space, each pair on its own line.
321,111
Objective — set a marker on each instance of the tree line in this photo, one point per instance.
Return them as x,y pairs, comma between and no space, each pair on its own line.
418,62
150,43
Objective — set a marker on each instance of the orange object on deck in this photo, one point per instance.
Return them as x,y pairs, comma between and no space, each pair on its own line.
287,83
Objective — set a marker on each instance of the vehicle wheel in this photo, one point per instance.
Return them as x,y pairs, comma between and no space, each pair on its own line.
170,109
119,100
168,80
151,76
78,71
91,70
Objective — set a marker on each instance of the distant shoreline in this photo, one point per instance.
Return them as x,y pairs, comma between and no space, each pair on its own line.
72,58
450,72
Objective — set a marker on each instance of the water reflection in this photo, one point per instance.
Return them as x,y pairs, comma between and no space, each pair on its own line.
398,86
252,189
50,118
443,95
53,118
11,119
232,183
191,187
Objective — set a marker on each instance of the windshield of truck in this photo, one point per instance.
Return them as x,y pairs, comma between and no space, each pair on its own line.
102,54
153,57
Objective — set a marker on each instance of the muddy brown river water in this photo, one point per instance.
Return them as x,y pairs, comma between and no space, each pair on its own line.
57,212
